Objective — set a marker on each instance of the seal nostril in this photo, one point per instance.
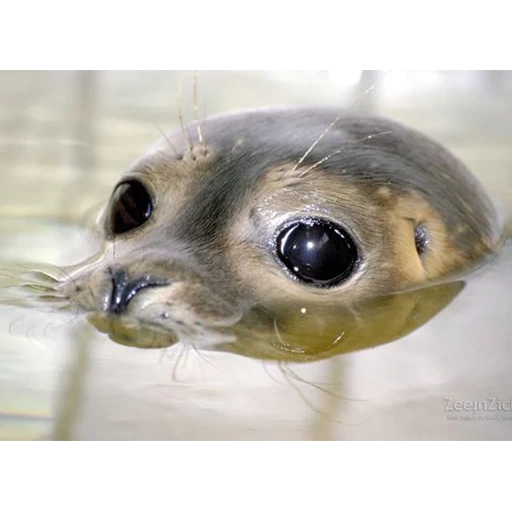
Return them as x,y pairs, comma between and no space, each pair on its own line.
124,290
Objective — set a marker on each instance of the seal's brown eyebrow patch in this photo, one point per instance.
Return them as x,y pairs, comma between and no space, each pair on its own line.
386,196
384,192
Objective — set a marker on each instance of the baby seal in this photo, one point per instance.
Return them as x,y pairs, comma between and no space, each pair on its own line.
298,231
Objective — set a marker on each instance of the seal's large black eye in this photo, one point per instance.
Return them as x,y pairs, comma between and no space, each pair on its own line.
130,207
317,251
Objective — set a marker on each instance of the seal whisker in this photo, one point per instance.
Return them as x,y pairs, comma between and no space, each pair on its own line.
318,386
285,371
184,128
203,357
361,96
318,139
267,371
163,354
47,275
182,355
113,250
338,151
285,345
186,134
196,111
73,318
203,120
330,126
68,276
171,145
12,323
291,374
25,286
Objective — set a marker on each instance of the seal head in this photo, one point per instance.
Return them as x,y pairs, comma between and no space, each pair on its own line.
262,213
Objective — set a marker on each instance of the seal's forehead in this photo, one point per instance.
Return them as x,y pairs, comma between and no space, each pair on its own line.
226,157
363,149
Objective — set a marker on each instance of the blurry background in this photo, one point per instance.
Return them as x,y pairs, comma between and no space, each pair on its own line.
66,137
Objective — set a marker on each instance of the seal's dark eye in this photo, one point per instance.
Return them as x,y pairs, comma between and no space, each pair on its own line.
317,251
130,207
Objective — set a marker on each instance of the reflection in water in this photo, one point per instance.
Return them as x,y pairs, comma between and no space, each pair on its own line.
313,333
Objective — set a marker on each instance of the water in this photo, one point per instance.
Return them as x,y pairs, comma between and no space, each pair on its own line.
65,140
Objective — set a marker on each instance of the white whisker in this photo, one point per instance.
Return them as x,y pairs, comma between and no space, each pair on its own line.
358,99
196,111
164,135
184,129
320,137
334,153
184,351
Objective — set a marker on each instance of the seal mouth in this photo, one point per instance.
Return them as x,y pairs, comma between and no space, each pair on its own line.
124,290
162,328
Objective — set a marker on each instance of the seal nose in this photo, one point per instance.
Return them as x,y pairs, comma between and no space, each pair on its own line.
123,290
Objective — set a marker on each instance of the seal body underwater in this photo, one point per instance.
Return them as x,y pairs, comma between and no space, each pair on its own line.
266,217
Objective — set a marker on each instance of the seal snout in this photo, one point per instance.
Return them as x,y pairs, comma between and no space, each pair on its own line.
124,290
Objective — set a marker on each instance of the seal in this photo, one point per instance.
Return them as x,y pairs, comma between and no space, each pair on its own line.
283,233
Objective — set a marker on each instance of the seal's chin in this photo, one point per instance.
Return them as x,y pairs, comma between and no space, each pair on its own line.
125,331
148,332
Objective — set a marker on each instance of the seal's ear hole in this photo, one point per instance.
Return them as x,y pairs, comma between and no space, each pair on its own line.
130,207
421,238
317,251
